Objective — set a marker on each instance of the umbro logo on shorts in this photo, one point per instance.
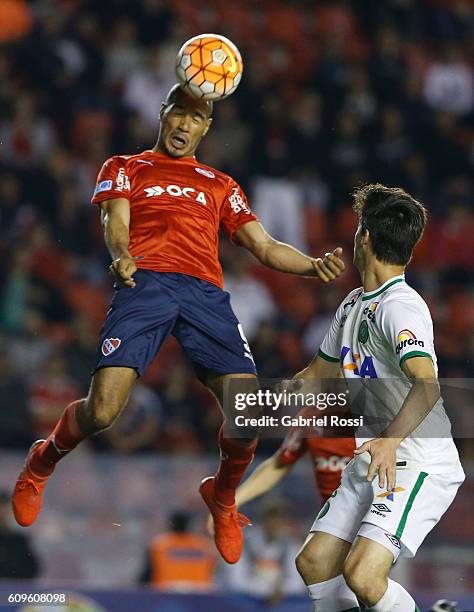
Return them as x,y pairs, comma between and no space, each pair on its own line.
109,345
395,541
380,508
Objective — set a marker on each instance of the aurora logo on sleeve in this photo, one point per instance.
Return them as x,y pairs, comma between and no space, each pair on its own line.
407,338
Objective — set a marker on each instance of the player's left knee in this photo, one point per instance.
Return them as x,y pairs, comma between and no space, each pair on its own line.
363,581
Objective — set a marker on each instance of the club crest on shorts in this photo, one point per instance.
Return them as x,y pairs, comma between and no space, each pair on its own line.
109,345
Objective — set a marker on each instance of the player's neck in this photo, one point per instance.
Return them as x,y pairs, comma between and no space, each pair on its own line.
377,273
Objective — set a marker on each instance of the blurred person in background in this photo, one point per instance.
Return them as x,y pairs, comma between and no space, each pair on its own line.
49,391
16,429
241,284
267,570
137,428
180,560
17,558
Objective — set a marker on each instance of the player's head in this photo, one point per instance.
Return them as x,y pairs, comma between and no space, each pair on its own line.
184,122
391,222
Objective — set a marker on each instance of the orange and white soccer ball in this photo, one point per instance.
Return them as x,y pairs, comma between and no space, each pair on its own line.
209,67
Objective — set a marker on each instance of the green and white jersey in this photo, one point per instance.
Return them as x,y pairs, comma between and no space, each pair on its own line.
371,335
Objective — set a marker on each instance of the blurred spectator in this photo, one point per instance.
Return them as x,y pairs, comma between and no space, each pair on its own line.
137,427
15,20
278,202
51,390
251,301
146,88
123,55
180,560
267,569
16,430
17,558
26,137
449,84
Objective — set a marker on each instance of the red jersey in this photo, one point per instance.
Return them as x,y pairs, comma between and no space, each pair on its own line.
329,455
177,207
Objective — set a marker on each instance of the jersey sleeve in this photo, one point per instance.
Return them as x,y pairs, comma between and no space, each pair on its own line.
330,348
235,211
407,328
293,447
112,181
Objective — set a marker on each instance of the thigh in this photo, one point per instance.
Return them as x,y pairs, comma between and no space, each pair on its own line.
343,512
209,331
139,320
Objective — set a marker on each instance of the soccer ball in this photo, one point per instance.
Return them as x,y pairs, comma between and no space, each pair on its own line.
209,67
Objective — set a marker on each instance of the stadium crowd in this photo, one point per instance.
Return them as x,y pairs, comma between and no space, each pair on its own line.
334,94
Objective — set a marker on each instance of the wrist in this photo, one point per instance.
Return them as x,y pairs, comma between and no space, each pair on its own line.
122,255
314,268
393,441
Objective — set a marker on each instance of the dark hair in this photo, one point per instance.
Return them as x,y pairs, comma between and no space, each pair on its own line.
394,219
177,89
179,521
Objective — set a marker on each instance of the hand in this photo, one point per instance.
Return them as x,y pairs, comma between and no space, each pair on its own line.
122,269
289,385
383,452
330,267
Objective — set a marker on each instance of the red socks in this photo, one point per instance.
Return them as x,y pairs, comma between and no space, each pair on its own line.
63,439
236,456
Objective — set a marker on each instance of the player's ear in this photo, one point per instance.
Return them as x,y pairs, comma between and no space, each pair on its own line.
208,125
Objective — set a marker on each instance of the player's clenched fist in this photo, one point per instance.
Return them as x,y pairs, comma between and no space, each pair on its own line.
330,267
122,269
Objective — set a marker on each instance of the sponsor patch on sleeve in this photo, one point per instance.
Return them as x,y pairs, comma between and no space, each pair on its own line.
103,186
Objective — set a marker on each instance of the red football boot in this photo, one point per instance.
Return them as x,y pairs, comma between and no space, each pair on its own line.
28,492
228,523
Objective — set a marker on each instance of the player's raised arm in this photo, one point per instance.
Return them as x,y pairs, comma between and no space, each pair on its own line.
115,217
266,476
285,258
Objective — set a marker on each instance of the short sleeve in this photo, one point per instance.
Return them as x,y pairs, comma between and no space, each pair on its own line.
331,346
112,181
235,210
408,329
293,446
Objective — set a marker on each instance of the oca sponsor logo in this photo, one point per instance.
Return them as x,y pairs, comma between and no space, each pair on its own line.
407,338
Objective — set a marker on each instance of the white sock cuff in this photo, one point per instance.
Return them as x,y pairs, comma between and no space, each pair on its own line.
328,587
395,599
332,595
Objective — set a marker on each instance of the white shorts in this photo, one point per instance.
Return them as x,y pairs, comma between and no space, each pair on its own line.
406,514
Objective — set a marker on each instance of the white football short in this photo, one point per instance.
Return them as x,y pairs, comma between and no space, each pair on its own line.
404,515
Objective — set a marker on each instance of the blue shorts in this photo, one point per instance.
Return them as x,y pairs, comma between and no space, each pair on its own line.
197,313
